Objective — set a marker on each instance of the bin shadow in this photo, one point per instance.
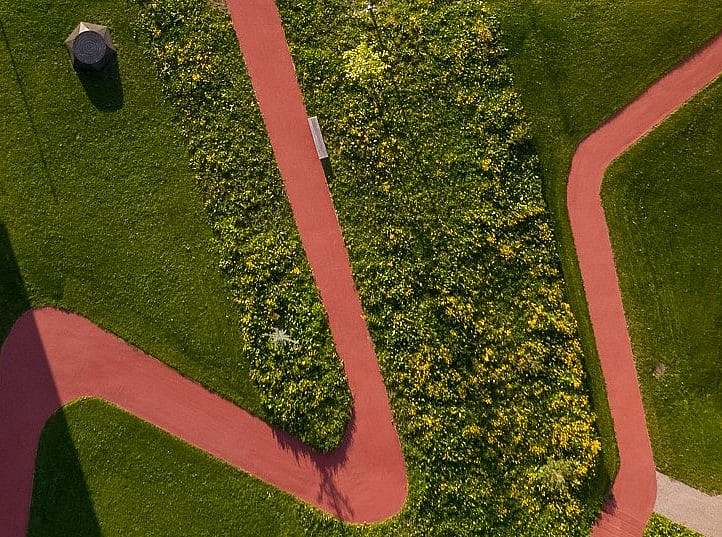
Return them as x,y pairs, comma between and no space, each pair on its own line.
103,88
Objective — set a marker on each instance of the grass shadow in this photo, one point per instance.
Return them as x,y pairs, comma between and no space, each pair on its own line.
26,105
55,510
13,297
103,88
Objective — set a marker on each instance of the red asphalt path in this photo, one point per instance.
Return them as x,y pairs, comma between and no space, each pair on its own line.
634,490
52,358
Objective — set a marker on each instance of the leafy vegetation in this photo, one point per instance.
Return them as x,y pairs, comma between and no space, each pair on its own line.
286,337
98,209
661,527
551,55
663,201
575,64
437,190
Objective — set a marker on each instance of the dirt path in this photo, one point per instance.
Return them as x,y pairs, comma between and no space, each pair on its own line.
633,493
52,358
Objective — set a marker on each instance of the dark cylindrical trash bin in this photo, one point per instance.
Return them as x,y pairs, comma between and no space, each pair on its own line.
90,47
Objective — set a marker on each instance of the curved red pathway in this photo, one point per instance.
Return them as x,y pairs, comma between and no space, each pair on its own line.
51,358
634,490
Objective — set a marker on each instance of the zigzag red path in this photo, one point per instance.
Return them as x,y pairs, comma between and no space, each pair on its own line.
634,490
52,358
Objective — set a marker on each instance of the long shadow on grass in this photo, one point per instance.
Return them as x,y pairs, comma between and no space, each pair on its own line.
61,501
26,106
104,89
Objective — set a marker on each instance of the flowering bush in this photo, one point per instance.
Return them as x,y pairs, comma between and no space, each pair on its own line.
363,64
293,363
438,192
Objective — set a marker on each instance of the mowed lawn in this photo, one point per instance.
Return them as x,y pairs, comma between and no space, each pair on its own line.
99,211
99,215
663,201
137,481
575,64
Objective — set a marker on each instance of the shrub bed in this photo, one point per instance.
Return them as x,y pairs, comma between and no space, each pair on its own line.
293,364
438,192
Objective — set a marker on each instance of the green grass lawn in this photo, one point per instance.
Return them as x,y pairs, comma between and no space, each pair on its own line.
663,200
154,484
98,206
575,64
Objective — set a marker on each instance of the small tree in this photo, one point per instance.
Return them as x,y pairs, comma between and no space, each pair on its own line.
554,478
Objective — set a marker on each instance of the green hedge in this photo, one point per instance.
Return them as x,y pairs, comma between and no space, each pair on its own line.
437,188
661,527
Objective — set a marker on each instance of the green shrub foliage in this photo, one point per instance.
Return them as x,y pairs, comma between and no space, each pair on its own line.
299,377
438,192
661,527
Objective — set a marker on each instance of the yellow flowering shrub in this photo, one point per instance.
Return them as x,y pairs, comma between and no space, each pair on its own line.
437,189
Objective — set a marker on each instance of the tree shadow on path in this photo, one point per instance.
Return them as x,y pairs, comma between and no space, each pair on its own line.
327,465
